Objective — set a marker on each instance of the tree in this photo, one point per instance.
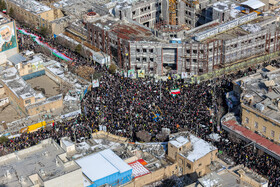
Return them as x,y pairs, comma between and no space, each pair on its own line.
3,139
12,12
85,72
2,5
44,31
78,48
112,69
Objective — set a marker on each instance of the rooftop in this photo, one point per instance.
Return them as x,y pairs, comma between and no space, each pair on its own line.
32,6
125,29
199,147
42,160
19,87
261,92
4,18
105,164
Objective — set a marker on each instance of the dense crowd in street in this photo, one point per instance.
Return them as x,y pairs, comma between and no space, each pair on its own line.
126,106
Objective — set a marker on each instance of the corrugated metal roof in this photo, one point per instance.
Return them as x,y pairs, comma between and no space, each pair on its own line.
254,4
17,58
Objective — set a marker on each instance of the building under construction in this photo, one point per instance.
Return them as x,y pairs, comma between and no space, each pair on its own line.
196,51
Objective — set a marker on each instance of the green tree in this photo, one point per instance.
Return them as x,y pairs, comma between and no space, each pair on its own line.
78,48
2,5
3,139
44,31
12,12
112,68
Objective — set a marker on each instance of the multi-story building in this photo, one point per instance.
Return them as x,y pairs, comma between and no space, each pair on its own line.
191,153
37,15
146,13
196,51
260,102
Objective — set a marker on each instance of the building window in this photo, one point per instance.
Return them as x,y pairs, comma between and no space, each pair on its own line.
264,129
272,133
133,13
246,120
189,166
144,59
144,50
137,50
28,101
151,59
151,50
138,59
256,125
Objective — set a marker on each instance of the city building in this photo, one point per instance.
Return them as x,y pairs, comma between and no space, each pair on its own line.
8,38
38,89
105,167
191,153
235,176
197,51
259,96
38,15
44,164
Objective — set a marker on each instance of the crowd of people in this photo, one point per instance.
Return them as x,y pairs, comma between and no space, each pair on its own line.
127,106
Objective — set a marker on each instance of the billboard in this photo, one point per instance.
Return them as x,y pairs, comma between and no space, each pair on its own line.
8,38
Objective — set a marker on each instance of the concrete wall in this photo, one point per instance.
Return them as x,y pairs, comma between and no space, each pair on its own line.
51,105
72,179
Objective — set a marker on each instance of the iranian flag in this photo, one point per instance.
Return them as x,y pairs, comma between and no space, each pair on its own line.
175,91
4,11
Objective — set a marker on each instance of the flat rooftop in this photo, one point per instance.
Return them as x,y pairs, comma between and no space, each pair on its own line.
32,6
4,18
124,29
261,91
40,160
199,147
102,164
44,85
17,85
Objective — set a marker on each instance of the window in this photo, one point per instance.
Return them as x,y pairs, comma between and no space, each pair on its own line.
256,125
151,50
151,59
199,164
28,101
144,50
137,50
189,166
144,59
138,59
272,133
264,129
133,13
246,120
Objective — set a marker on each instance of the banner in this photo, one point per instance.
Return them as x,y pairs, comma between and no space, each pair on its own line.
8,38
46,45
141,73
131,73
176,76
95,83
184,75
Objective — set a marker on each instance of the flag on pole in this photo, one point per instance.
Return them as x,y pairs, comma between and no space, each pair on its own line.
95,83
175,91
